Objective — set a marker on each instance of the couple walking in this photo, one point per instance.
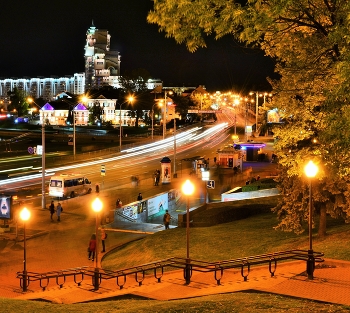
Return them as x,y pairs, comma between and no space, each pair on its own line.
93,242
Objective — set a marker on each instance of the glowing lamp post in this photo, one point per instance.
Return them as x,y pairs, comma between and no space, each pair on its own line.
43,203
164,111
235,104
205,178
96,207
24,215
188,189
311,170
130,100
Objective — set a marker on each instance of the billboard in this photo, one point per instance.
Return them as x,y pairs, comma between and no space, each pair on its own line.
5,207
158,204
273,116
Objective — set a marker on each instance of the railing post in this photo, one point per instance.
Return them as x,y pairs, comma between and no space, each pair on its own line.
96,281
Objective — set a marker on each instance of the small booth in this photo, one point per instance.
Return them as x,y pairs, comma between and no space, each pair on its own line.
165,164
253,151
229,157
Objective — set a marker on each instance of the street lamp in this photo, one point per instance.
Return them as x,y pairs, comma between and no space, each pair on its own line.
256,108
24,215
130,100
164,112
205,178
153,118
43,204
97,207
235,104
188,189
311,170
175,175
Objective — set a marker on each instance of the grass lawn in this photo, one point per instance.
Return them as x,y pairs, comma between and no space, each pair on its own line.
246,237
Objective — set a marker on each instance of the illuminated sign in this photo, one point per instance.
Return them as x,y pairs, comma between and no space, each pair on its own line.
5,207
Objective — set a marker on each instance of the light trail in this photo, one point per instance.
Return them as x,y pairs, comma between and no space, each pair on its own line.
194,134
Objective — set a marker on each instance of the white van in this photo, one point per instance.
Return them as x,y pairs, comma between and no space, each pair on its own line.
69,185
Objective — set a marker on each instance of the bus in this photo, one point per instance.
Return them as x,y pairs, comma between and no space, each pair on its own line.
69,185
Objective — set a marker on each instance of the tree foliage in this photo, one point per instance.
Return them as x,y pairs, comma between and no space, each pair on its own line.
135,83
19,102
309,41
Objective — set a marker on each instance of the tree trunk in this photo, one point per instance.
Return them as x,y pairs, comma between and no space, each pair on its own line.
322,228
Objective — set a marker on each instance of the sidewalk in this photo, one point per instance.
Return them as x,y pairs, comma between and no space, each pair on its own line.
331,281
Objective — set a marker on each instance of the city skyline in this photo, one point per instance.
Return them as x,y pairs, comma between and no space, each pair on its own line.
49,41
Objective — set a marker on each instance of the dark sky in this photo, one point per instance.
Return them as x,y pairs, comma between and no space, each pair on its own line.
44,38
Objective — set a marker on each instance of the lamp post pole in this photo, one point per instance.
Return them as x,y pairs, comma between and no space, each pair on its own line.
120,127
25,215
311,170
256,110
205,178
73,133
97,207
43,204
187,189
153,118
175,175
236,102
164,115
130,99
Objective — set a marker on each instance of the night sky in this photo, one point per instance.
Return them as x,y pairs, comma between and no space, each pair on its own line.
47,38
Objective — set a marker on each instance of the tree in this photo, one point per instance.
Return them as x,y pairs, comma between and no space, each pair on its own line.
134,83
308,39
182,105
19,102
95,113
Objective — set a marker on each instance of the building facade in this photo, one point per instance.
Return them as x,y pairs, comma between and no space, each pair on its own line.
102,67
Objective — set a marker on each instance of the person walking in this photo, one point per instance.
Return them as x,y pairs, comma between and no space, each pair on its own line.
52,209
103,238
118,203
157,177
92,247
59,210
139,197
166,219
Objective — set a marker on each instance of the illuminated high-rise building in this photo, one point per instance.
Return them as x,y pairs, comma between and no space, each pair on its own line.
102,65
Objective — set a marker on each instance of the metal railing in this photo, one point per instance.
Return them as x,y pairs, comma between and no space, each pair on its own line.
158,267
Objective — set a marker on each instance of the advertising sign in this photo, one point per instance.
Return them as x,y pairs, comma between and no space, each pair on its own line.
273,116
131,211
5,207
166,169
158,204
39,149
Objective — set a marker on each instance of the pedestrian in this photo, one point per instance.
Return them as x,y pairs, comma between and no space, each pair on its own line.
103,238
92,247
118,203
97,188
166,219
59,210
52,209
139,197
155,178
158,177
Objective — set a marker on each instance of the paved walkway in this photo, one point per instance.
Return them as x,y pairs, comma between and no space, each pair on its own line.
61,245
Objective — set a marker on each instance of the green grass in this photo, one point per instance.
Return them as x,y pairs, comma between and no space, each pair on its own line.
246,237
237,302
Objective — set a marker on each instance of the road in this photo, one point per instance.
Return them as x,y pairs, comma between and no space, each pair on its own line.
119,166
